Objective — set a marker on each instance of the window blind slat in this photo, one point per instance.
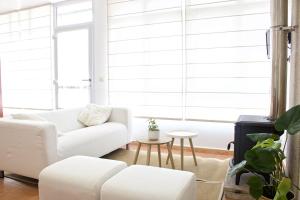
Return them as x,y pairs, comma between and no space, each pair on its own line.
145,18
201,2
251,69
222,114
145,72
251,85
220,55
150,58
146,99
226,39
227,8
147,85
229,100
248,22
154,44
155,30
139,6
158,112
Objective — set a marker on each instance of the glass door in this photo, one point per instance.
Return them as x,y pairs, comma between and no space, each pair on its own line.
73,68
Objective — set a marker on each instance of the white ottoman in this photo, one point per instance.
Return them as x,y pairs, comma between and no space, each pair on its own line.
150,183
77,178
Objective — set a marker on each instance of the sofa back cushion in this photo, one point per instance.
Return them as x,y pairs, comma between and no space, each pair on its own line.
24,116
65,120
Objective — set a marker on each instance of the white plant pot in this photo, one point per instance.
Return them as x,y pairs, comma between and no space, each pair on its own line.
153,135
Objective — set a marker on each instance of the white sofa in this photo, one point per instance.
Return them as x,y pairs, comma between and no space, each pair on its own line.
27,147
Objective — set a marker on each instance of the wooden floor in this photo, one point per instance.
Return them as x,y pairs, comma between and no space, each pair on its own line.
15,190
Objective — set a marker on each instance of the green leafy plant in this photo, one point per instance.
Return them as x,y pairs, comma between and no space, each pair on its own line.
267,156
152,126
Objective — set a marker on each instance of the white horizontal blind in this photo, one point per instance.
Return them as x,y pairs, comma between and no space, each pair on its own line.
25,53
192,59
145,56
228,73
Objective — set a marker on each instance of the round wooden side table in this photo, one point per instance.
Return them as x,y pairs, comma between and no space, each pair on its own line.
183,135
149,143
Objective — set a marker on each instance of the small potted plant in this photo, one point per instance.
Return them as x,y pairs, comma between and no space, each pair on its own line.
267,156
153,130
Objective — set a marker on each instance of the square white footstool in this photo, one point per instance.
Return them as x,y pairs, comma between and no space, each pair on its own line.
150,183
77,178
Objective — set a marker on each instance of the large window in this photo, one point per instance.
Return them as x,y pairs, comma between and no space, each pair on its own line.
25,53
45,55
192,59
73,47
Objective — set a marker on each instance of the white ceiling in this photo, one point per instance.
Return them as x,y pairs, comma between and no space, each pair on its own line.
10,5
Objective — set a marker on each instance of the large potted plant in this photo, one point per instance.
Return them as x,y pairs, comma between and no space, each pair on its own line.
267,156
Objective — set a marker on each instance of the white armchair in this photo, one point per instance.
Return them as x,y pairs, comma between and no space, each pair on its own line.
27,147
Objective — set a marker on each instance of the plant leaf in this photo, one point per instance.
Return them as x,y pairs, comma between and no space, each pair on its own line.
268,144
237,168
283,188
260,159
255,186
290,121
258,137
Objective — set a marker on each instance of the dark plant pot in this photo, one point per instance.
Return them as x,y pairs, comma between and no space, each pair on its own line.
269,193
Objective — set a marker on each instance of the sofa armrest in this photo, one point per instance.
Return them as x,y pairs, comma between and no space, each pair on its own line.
26,147
122,115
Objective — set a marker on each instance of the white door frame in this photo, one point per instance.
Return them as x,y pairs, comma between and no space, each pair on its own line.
60,29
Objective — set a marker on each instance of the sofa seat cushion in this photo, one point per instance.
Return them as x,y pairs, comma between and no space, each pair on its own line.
150,183
77,178
93,141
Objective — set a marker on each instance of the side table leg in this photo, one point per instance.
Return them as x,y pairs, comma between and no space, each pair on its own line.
148,154
171,156
159,155
172,143
1,174
137,153
193,151
181,151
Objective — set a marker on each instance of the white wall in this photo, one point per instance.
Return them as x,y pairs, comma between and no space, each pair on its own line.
100,52
211,134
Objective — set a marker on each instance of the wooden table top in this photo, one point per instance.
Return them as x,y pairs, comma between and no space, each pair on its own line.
162,140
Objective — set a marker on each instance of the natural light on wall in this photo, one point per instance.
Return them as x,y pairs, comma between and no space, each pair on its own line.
25,53
193,59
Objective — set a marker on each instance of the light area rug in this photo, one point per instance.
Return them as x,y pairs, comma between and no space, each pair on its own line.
210,172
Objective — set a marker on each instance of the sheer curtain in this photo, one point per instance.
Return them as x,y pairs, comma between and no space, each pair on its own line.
192,59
